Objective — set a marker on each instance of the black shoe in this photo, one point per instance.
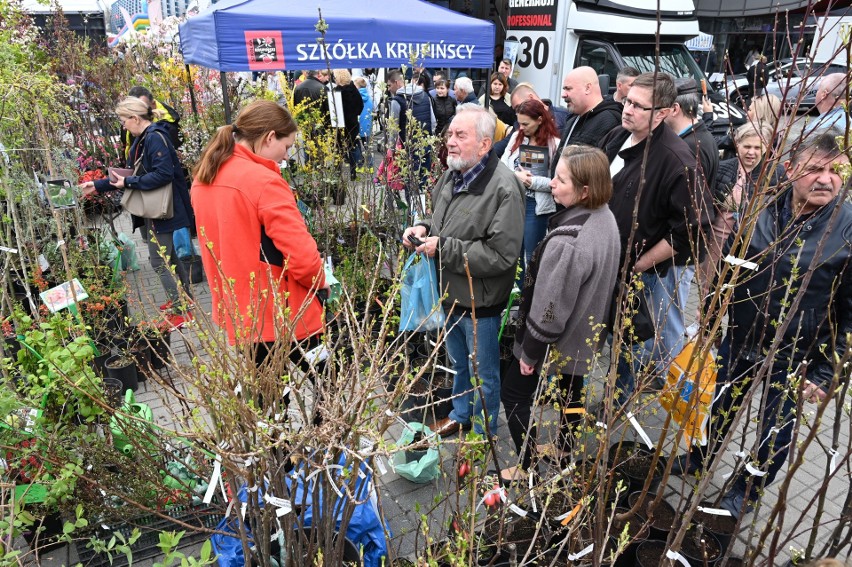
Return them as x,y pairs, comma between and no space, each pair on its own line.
735,502
685,465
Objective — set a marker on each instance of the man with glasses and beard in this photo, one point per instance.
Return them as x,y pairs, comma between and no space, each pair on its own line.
477,227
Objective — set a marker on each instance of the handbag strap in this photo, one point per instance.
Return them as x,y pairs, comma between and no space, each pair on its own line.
138,162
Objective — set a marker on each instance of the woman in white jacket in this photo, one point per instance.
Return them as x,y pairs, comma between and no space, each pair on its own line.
536,128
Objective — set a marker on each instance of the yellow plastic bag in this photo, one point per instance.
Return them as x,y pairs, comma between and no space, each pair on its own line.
688,395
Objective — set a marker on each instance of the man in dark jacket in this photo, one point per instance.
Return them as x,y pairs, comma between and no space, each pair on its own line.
683,119
592,116
669,217
789,317
171,119
313,89
475,232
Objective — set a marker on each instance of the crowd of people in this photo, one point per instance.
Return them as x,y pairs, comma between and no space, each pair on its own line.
581,202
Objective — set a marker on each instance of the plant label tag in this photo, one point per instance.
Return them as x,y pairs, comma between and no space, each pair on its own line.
62,296
9,250
518,510
380,464
581,553
43,264
734,261
635,423
714,511
284,506
675,556
317,354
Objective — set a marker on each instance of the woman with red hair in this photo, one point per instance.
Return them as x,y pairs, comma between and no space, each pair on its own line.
535,128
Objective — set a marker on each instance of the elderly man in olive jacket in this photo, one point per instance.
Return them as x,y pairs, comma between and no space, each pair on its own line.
477,227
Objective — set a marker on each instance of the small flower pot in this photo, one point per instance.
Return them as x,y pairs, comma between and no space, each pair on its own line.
122,367
664,515
650,553
634,461
113,392
44,535
414,455
161,353
700,546
442,394
141,353
720,525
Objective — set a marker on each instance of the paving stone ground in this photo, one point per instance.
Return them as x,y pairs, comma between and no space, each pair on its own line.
405,503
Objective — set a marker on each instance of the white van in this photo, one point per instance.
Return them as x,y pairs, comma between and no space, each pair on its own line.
555,36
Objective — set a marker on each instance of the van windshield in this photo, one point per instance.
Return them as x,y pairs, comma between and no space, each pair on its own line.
674,59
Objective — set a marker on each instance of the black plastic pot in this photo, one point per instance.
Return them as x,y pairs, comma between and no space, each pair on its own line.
442,393
634,461
638,534
122,367
664,515
721,526
650,552
44,535
415,407
113,392
141,353
99,361
160,350
701,547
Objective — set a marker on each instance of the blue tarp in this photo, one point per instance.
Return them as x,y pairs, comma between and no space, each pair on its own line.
275,35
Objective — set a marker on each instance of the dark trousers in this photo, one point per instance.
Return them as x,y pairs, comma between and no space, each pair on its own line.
778,409
263,358
517,394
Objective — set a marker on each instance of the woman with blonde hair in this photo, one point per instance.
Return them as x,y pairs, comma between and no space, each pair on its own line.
736,181
263,266
155,161
765,111
352,104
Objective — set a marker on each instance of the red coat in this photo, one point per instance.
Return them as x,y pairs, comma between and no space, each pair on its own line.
255,247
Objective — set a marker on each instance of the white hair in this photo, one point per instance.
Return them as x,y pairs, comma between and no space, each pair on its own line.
484,121
464,84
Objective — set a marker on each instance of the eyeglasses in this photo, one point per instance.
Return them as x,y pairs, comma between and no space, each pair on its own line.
123,119
628,102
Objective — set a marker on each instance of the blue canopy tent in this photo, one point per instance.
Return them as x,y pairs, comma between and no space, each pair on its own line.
277,35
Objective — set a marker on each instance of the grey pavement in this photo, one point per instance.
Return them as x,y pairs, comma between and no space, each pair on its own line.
405,504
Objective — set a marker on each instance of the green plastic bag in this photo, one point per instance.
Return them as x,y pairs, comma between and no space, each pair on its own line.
424,469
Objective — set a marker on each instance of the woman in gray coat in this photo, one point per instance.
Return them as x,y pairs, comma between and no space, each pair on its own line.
562,307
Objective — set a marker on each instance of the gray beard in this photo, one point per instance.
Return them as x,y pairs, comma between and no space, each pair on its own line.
459,164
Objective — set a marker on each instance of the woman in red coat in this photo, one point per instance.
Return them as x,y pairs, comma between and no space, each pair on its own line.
262,263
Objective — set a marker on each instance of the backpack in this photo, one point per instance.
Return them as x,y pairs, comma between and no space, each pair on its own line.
421,110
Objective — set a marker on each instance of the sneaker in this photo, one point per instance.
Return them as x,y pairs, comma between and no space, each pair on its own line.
178,320
735,502
166,306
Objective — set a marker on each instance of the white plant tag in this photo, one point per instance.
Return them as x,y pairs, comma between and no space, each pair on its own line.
284,506
635,423
581,553
675,556
317,354
10,250
714,511
734,261
43,263
214,480
518,510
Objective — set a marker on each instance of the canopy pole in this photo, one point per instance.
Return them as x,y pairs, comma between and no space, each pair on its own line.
191,90
223,78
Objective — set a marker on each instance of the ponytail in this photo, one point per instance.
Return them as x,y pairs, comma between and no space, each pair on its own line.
219,149
254,122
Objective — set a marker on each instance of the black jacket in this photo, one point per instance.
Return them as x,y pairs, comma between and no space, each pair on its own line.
671,206
726,178
313,90
353,104
445,109
589,128
762,300
703,144
160,165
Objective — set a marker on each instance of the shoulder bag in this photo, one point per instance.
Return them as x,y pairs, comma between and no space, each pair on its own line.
156,203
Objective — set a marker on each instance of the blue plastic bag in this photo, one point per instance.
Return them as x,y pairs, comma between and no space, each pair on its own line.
420,309
183,242
365,527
